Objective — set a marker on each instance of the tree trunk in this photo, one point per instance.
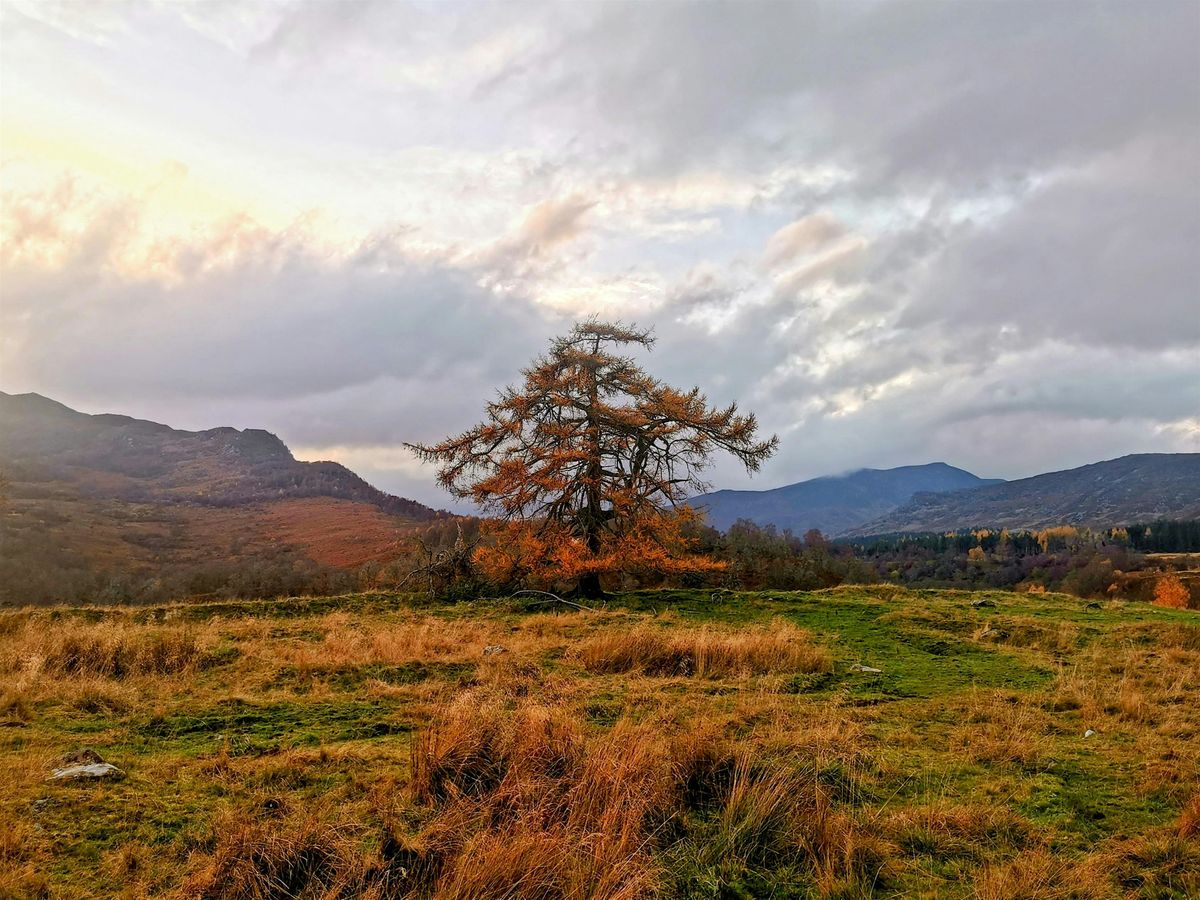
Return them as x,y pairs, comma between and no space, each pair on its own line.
589,587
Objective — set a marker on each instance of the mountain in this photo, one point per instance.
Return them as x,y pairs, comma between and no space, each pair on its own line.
93,498
1138,488
836,503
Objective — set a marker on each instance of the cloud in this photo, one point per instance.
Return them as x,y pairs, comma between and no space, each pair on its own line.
898,231
552,222
801,238
320,343
1103,255
897,90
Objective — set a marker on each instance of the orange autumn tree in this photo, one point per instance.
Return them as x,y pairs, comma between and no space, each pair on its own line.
1170,591
586,465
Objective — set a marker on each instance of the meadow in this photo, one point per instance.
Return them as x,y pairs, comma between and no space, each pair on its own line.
672,744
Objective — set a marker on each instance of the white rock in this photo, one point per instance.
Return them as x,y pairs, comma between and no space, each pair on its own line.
858,667
91,770
1088,733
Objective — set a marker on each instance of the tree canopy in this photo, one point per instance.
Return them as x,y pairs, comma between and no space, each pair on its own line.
592,450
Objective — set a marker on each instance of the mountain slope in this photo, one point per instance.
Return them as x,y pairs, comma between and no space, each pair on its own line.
132,459
1137,488
834,504
108,499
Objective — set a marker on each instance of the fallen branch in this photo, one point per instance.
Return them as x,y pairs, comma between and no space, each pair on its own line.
554,599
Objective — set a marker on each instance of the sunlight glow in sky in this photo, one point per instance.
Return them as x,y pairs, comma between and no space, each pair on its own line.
898,231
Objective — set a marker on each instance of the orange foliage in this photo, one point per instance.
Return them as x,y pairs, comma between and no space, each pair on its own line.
1171,592
546,553
1057,534
598,457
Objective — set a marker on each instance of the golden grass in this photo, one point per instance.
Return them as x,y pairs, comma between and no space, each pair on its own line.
20,872
524,802
534,773
257,859
703,652
1189,818
343,645
106,650
1033,875
1027,632
999,728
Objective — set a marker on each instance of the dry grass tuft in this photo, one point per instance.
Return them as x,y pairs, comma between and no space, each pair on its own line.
1032,875
998,728
704,652
262,859
20,874
1189,818
947,830
768,813
14,707
105,650
522,791
477,745
1158,864
526,805
421,640
1029,633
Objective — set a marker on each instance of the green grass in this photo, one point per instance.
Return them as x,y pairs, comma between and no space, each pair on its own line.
932,730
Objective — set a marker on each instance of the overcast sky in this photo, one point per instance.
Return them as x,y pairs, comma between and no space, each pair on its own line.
899,232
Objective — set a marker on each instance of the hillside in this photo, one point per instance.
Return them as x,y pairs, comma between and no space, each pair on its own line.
98,500
834,504
1137,488
854,742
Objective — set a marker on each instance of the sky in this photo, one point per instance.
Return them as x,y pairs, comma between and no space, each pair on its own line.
898,232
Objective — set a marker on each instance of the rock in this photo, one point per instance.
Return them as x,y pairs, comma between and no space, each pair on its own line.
84,757
493,649
859,667
1088,733
88,771
982,603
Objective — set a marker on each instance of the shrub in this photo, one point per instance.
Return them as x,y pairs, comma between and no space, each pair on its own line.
1171,592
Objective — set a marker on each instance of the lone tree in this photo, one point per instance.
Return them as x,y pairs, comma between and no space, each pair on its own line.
590,460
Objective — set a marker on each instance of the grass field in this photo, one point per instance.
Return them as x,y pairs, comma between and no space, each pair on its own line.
675,744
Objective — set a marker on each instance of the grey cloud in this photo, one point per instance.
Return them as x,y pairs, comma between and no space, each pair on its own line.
802,237
920,89
1013,227
371,348
1101,256
553,222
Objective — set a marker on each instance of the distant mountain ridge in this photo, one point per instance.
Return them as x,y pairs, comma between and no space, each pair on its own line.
1140,487
114,507
141,461
834,504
